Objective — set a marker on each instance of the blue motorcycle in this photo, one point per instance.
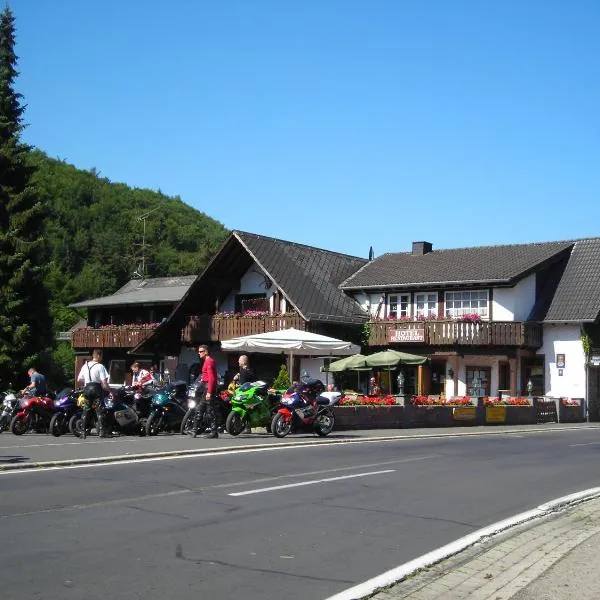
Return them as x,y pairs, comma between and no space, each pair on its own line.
65,405
169,406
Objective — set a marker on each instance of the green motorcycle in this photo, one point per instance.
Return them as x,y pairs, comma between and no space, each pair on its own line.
250,407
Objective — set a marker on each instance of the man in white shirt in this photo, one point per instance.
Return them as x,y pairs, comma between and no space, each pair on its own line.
94,376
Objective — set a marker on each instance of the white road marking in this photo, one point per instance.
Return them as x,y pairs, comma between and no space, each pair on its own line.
367,588
588,444
312,482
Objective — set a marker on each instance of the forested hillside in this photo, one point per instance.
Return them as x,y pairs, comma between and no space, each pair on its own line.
94,234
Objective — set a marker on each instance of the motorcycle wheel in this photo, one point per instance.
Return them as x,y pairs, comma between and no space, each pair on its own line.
19,425
234,424
154,424
4,424
78,426
279,426
57,425
72,422
324,424
188,422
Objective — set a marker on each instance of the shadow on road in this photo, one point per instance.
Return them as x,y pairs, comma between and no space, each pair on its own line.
13,459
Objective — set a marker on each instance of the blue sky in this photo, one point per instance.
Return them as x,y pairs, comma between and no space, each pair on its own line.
341,124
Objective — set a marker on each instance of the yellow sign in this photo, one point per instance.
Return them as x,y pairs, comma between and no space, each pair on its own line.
495,414
464,413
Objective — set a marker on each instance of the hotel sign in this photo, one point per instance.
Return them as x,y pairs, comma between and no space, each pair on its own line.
414,334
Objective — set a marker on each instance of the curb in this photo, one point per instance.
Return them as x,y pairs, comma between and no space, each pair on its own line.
397,574
265,446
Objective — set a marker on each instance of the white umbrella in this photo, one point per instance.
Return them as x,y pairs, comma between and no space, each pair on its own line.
293,341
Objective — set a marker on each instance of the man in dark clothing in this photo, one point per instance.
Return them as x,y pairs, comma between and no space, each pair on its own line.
208,399
245,375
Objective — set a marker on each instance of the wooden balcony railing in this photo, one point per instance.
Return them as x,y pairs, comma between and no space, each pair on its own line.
206,328
111,337
462,333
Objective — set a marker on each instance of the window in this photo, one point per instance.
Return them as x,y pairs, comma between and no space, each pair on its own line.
117,372
398,306
468,302
426,305
478,381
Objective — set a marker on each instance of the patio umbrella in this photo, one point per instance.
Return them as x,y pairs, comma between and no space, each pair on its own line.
393,358
349,363
292,341
356,362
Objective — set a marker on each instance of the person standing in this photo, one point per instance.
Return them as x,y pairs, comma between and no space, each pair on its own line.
245,374
37,384
208,394
94,376
141,377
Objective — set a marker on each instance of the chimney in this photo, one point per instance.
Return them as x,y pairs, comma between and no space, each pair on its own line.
421,248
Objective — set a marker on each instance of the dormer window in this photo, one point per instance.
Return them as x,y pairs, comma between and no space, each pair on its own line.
469,302
398,306
426,305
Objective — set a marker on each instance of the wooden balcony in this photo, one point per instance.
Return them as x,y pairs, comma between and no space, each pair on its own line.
453,333
205,328
111,337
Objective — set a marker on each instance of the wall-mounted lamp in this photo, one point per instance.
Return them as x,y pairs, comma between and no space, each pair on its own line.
450,373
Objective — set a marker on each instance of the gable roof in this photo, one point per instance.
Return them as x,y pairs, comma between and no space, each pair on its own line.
159,290
309,277
483,265
577,296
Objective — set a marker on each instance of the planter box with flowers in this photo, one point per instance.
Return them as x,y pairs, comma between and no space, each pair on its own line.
423,411
570,410
368,412
509,411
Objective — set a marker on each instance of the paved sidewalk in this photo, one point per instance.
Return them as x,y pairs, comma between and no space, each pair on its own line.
553,558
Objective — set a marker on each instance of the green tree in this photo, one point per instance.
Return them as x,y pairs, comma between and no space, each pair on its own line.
25,322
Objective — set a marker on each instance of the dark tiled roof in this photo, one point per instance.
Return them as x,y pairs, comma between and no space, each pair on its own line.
159,290
577,296
308,276
481,265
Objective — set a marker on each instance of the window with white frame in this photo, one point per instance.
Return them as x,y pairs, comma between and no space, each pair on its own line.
426,305
398,306
469,302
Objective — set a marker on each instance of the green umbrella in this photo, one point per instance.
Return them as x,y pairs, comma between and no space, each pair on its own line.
392,358
355,362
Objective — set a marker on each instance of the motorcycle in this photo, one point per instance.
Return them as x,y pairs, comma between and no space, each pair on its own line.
9,407
223,409
168,408
66,408
250,407
34,415
305,407
117,417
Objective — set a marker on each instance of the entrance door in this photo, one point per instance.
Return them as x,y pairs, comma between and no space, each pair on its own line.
438,378
478,381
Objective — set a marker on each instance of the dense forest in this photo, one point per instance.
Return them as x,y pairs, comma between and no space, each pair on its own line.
94,238
94,234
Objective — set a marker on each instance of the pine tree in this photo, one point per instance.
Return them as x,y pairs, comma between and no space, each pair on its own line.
282,381
25,323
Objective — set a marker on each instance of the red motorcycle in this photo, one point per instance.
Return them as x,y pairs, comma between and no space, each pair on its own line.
305,408
35,415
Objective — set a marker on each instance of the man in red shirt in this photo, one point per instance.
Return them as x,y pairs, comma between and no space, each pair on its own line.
208,391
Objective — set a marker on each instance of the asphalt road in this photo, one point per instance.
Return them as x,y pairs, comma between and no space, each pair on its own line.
313,520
